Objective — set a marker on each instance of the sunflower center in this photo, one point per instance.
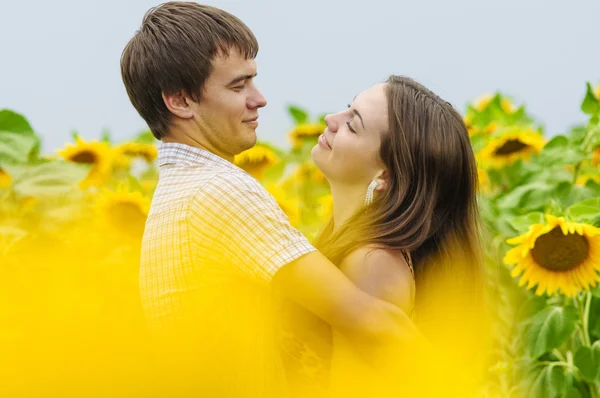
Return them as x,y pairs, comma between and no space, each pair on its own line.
510,146
557,252
84,157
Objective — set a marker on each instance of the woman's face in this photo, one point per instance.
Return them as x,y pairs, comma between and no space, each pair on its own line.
348,151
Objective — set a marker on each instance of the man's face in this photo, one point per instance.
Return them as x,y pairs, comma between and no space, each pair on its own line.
227,113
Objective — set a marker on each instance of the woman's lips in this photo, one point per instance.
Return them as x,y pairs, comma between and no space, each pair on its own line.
323,142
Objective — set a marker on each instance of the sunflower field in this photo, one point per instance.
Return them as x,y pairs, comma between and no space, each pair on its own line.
71,223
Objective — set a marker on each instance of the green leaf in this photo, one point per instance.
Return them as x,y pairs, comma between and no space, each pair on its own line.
586,211
15,147
299,115
14,122
549,329
105,136
587,360
557,142
46,179
533,196
590,104
560,156
321,118
145,137
594,320
568,194
547,381
521,223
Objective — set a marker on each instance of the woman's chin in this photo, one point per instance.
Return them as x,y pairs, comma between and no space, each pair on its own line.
317,159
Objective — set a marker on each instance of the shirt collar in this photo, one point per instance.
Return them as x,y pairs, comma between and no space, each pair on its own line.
178,153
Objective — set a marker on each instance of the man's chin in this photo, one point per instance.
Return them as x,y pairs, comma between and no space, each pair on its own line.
249,142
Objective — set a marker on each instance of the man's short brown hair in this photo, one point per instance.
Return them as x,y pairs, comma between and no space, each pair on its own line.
173,51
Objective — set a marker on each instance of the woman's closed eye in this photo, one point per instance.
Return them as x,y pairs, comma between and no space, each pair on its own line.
350,127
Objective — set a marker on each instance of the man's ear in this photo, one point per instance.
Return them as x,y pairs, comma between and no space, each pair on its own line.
382,179
179,104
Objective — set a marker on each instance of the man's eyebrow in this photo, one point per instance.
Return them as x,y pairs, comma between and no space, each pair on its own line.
241,78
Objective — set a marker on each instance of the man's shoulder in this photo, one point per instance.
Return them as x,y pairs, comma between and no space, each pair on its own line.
231,185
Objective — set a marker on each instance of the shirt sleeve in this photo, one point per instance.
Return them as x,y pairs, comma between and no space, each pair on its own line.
238,216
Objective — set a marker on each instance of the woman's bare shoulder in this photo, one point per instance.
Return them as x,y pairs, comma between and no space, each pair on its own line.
383,273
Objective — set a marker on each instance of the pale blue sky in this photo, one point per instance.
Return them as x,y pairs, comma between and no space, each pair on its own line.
60,59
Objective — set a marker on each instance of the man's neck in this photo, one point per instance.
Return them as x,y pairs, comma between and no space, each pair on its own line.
181,137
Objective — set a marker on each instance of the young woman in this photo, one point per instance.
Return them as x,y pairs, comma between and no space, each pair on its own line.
405,223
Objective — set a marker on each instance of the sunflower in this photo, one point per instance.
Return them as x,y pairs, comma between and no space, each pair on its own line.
95,153
484,180
507,106
124,210
583,178
510,146
5,179
305,131
326,207
468,120
559,255
124,153
490,128
290,206
597,91
309,172
481,103
596,156
256,160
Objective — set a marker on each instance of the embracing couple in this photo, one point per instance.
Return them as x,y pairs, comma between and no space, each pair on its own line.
239,302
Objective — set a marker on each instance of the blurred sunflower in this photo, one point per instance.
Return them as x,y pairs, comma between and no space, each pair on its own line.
596,156
559,255
468,120
507,106
490,128
5,179
290,206
124,153
256,160
124,210
95,153
597,91
510,146
305,131
308,171
484,180
583,178
481,103
326,207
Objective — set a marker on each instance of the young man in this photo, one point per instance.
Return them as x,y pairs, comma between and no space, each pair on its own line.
215,241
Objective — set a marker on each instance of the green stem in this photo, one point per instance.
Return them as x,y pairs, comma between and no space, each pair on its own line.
555,363
576,173
586,319
588,137
585,148
559,355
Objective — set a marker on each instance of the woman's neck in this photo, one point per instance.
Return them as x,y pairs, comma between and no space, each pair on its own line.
346,201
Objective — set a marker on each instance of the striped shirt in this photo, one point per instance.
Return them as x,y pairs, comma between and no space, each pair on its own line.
213,240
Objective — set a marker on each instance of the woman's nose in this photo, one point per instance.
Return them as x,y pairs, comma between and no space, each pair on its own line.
331,123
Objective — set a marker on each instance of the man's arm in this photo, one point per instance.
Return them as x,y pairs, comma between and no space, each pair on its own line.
316,284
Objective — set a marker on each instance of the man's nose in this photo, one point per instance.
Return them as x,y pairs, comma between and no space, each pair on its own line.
257,100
